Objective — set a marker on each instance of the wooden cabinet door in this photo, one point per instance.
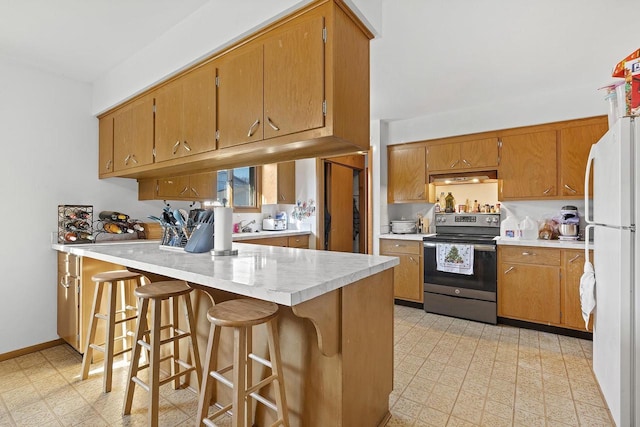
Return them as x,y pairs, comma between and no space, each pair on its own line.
529,292
133,135
298,241
199,113
202,186
573,267
575,143
444,157
279,183
177,186
339,187
105,145
479,154
168,126
294,78
407,170
240,97
407,278
528,166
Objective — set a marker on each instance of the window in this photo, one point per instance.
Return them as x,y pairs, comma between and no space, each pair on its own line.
240,187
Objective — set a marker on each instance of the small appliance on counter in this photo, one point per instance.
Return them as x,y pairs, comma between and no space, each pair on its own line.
569,223
403,226
275,224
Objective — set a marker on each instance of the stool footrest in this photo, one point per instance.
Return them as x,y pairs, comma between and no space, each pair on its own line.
176,375
140,383
126,319
97,347
260,360
252,392
126,350
222,410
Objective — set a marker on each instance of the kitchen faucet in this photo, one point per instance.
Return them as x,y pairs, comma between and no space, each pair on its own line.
245,228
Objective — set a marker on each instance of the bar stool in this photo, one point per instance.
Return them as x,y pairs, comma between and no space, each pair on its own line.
156,293
242,315
115,282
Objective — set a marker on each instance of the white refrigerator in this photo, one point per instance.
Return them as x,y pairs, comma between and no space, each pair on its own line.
616,205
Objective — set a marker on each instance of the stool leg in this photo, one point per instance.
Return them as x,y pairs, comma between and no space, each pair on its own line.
141,327
93,324
154,375
173,320
249,377
193,339
109,336
208,384
123,286
239,371
274,355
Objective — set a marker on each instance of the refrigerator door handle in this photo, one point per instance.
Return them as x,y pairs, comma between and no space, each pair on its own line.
587,238
592,155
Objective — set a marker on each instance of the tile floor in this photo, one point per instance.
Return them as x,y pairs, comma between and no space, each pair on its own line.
448,372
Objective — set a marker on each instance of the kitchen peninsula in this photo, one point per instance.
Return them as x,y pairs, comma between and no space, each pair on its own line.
336,321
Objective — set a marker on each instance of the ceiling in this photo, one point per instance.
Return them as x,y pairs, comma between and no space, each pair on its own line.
427,58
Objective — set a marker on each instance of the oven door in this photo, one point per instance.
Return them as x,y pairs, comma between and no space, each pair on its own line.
481,284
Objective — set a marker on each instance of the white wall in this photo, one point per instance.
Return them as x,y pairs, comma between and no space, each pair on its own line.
49,157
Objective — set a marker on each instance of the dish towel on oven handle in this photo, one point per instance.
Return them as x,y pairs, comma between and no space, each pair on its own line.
454,258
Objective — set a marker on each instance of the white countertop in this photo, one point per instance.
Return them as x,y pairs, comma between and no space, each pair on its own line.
409,236
262,234
560,244
286,276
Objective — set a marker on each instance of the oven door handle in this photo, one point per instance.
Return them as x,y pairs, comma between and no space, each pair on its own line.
476,247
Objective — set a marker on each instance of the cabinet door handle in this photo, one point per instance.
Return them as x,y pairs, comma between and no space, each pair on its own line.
399,246
412,259
253,128
133,158
528,253
509,270
194,191
175,147
184,190
186,146
109,164
420,195
64,284
568,187
575,258
454,164
282,197
273,126
126,159
547,190
466,162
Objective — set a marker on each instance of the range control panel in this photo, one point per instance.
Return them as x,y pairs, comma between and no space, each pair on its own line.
467,220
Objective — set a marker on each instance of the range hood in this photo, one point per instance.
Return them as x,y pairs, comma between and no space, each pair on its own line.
463,177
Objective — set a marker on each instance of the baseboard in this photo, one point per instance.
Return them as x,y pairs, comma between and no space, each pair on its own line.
412,304
546,328
30,349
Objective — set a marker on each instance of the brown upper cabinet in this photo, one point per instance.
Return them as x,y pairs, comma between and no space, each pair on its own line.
279,183
266,90
528,166
105,146
201,186
407,174
299,88
473,154
185,115
575,143
133,135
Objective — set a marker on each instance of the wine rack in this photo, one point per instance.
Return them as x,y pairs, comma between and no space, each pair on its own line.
75,224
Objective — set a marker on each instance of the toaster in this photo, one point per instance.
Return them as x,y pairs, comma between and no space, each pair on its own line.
272,224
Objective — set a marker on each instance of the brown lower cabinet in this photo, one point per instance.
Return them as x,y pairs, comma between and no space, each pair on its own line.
75,298
408,280
301,241
540,285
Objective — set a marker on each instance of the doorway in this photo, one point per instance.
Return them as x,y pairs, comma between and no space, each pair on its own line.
342,218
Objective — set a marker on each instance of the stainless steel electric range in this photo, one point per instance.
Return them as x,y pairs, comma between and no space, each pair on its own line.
460,266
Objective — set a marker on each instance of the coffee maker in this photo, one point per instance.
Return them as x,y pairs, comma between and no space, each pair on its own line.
569,223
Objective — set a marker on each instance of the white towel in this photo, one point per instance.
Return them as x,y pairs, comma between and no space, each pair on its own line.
587,292
452,258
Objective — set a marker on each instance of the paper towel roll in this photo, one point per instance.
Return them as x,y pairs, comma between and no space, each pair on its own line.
223,228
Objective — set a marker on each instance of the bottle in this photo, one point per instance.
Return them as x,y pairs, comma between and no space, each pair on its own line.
442,201
113,216
476,207
529,229
449,203
509,228
436,208
467,206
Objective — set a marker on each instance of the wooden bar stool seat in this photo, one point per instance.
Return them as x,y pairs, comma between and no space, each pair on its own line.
242,315
159,335
115,282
